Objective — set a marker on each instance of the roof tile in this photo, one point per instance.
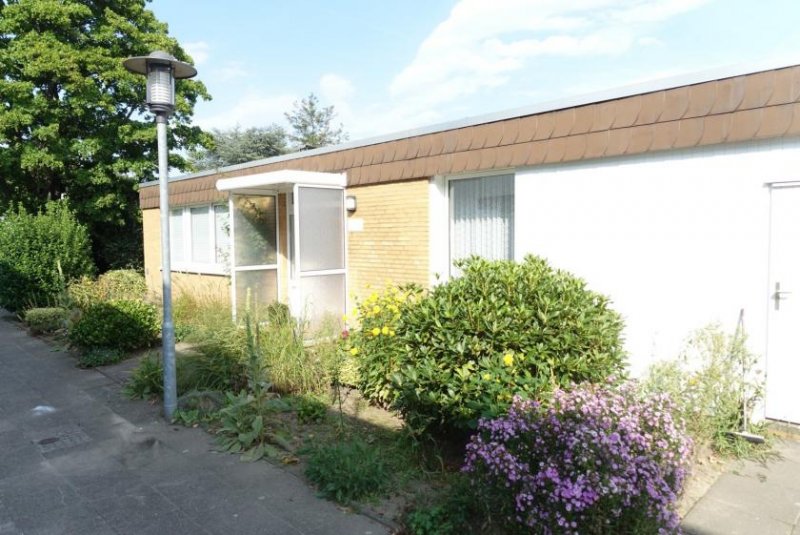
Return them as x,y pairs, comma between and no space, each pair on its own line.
519,154
464,138
775,121
479,134
450,141
617,142
758,89
652,107
730,93
676,103
537,150
527,128
402,149
544,127
640,140
437,143
488,158
596,144
701,99
494,133
555,150
511,131
627,111
690,132
794,128
745,124
575,147
664,135
503,155
603,116
787,87
564,122
716,129
584,117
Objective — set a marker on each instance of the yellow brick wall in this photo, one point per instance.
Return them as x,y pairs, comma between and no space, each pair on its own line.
211,286
393,245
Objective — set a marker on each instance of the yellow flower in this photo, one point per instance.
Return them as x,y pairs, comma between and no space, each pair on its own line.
354,351
508,359
385,330
487,376
345,318
376,309
376,331
392,333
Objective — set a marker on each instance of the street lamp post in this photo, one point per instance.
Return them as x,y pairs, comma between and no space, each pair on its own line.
162,70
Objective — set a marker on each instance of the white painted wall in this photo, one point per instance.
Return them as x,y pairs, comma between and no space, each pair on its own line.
677,240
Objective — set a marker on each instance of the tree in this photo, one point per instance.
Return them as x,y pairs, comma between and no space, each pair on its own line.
239,146
73,121
311,125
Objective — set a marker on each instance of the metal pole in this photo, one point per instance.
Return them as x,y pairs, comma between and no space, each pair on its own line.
168,328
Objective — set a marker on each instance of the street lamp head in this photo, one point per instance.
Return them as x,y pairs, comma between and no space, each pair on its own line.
161,69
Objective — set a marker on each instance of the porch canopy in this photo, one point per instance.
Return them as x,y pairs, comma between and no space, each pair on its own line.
309,273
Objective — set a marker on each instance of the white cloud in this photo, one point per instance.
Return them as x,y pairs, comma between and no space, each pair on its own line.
253,109
198,50
650,41
232,70
481,45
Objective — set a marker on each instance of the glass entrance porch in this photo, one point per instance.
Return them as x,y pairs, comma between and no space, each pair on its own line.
289,243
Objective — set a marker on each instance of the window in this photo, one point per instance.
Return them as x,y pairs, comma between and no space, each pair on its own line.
199,238
482,217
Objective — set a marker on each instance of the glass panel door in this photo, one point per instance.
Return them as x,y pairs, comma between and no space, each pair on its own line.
254,227
320,271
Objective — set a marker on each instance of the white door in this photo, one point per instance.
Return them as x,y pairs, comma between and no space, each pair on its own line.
318,272
783,337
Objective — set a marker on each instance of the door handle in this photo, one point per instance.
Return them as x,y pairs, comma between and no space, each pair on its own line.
779,295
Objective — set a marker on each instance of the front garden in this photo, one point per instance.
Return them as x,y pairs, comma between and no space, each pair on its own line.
496,402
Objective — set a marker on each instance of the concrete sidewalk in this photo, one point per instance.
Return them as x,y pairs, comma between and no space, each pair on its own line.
78,458
752,498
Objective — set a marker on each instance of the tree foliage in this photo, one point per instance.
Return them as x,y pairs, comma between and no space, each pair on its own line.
311,125
73,121
239,146
41,253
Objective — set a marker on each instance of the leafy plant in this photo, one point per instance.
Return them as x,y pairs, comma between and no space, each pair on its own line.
710,381
501,329
372,342
245,426
119,324
348,471
311,409
99,356
596,460
39,254
112,285
46,320
453,511
147,380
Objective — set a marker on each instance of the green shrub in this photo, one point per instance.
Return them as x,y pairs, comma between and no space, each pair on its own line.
709,382
147,380
311,409
39,254
500,329
99,356
372,343
247,426
46,320
348,471
112,285
119,324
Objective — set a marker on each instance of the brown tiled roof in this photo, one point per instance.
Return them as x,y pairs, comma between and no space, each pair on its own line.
755,106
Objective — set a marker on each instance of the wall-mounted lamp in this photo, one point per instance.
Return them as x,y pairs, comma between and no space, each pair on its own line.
350,203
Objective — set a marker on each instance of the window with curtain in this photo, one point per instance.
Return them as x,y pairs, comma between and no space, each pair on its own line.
199,238
482,218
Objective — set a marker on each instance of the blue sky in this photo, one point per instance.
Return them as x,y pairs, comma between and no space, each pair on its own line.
390,66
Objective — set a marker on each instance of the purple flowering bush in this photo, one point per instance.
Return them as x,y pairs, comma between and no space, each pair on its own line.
596,459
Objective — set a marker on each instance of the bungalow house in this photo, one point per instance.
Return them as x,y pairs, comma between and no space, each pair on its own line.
678,199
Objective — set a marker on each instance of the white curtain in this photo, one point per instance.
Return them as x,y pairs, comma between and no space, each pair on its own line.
202,250
482,217
176,244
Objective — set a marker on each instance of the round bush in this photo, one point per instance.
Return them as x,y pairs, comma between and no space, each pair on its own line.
45,320
39,254
595,461
117,284
500,329
118,324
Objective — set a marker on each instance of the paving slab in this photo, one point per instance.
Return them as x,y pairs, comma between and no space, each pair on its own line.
753,497
80,458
